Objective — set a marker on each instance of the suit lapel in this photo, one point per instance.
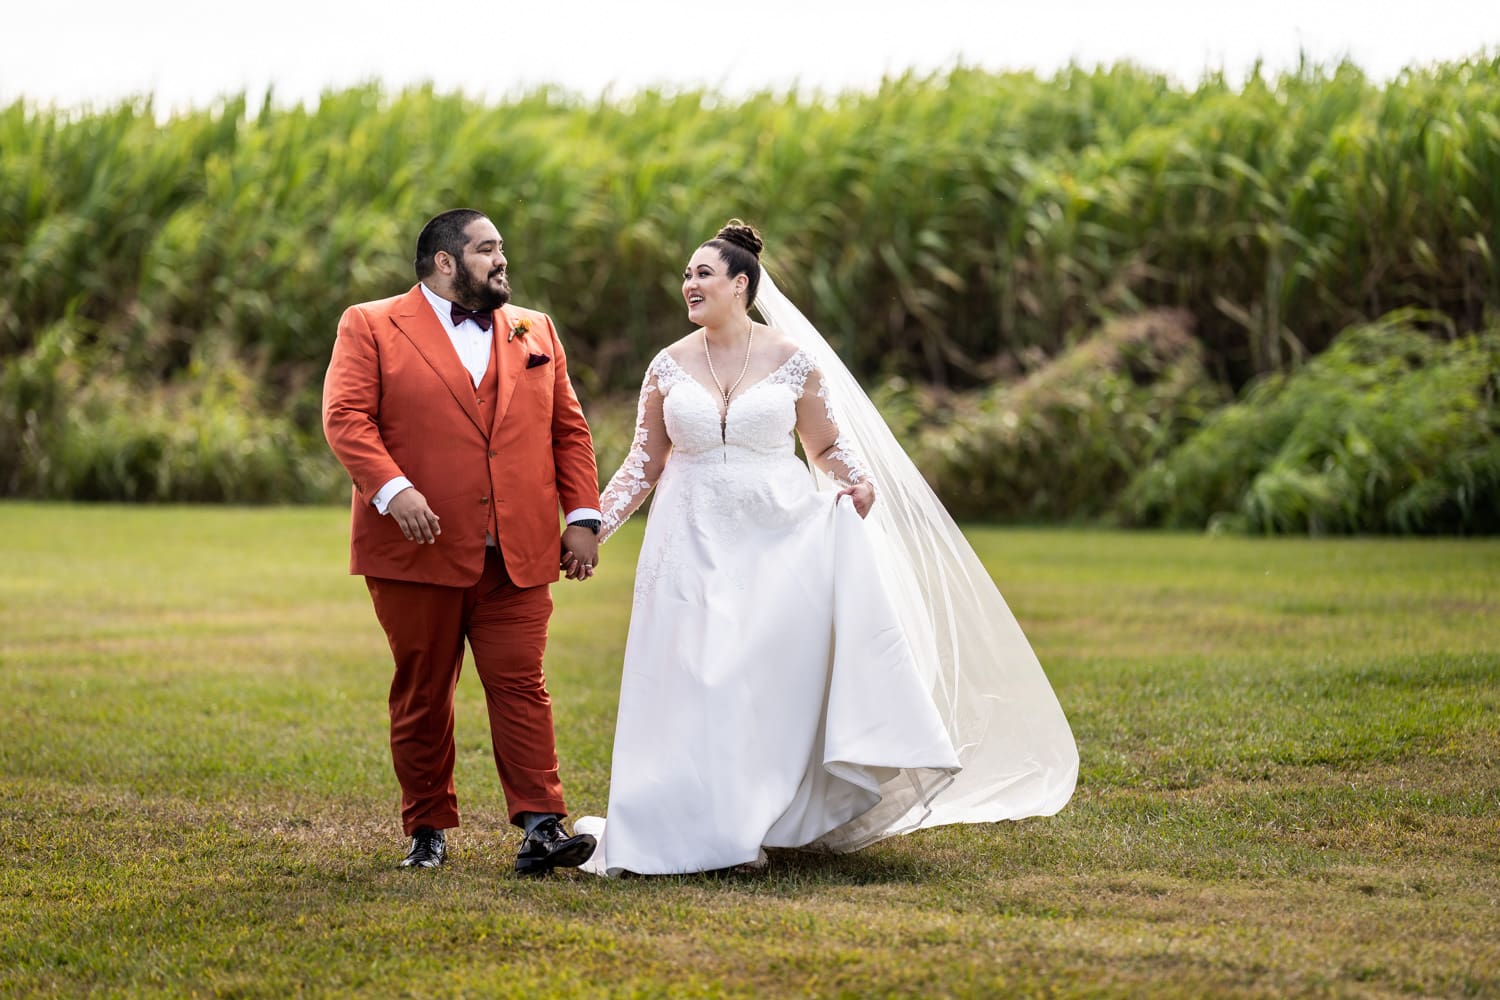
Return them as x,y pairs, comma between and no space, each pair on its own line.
415,318
509,361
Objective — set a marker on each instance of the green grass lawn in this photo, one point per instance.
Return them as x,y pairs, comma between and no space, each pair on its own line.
1290,785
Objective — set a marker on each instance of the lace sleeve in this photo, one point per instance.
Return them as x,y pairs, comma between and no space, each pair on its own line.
632,483
819,430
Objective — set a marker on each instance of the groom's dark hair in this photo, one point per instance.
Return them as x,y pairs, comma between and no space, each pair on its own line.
443,232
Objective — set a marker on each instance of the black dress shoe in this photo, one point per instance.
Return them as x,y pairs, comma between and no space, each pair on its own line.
548,846
428,848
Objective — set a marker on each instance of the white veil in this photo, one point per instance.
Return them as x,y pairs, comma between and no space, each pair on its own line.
1017,752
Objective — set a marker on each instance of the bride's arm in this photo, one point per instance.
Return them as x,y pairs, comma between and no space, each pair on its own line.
826,448
632,483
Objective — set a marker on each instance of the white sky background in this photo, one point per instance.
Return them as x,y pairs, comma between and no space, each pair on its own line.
72,53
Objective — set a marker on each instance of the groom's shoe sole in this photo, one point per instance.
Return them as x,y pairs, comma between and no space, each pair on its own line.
574,852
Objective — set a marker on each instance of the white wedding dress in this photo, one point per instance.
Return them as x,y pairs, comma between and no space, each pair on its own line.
770,696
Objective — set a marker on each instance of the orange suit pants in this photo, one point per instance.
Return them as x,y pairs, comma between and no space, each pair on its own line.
506,628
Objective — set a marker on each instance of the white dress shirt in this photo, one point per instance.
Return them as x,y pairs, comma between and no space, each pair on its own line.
474,346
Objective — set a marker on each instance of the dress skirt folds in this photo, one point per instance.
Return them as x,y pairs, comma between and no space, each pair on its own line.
770,696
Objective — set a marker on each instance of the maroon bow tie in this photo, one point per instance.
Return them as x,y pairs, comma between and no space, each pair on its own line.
485,319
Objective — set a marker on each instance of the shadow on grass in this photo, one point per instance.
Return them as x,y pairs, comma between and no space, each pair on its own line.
791,870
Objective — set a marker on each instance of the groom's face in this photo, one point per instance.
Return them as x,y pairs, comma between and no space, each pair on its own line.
479,276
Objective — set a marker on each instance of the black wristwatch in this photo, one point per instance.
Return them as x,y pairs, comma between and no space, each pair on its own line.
591,523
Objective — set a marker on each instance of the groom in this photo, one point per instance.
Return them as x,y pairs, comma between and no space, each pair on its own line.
453,414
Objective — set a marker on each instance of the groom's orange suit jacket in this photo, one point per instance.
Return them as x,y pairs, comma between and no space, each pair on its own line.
397,401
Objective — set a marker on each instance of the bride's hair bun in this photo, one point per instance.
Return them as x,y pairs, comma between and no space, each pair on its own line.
742,235
739,244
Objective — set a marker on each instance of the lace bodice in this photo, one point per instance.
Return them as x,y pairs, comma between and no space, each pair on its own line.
678,420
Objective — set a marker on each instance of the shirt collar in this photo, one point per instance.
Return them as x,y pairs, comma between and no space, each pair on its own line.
443,307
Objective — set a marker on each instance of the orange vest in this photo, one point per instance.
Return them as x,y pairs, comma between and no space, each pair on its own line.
485,394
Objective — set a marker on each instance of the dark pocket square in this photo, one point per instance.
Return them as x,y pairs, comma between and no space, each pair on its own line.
535,360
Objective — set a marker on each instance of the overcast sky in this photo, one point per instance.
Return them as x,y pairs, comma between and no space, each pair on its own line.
188,52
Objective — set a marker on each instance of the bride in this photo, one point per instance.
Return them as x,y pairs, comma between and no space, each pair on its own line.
816,657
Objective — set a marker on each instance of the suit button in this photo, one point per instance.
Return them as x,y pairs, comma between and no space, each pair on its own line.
494,454
479,401
484,499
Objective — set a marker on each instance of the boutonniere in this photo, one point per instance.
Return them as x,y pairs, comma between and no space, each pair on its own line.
519,328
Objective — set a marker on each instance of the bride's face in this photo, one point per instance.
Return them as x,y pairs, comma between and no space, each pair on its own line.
708,290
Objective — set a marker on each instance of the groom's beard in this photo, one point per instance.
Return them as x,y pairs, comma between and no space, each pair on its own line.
472,294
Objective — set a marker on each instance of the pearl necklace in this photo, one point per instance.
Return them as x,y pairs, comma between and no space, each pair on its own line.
726,393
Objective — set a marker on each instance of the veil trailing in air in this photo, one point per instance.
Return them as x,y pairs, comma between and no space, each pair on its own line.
1017,751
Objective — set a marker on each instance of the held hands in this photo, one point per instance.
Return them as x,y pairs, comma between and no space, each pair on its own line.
580,552
416,520
863,495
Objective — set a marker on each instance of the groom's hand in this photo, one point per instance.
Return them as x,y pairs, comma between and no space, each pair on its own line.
416,520
580,552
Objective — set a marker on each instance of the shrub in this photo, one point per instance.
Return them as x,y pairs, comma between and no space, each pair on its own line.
1392,429
1063,441
203,437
